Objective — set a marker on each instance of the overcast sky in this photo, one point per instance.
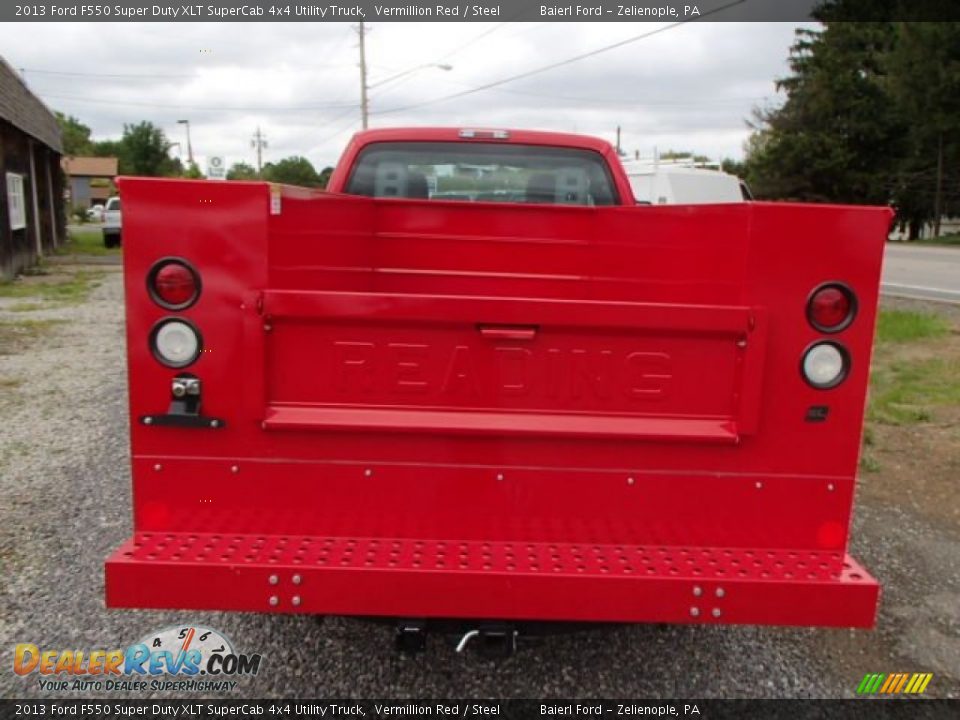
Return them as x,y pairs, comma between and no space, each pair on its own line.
690,87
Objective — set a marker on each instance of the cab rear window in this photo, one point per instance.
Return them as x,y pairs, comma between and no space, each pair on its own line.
482,172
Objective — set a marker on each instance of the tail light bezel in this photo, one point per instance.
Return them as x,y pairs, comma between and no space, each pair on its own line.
851,297
155,351
845,367
152,277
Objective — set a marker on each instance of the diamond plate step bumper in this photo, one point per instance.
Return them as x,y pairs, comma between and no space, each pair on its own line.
475,579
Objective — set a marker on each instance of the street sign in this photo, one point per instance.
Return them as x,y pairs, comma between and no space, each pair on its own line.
216,168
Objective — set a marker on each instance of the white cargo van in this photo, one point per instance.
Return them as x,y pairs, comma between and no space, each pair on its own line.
670,182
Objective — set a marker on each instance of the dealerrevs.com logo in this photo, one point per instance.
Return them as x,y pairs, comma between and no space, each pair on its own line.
176,658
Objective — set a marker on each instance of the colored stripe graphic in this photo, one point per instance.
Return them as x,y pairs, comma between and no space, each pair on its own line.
894,683
918,683
901,682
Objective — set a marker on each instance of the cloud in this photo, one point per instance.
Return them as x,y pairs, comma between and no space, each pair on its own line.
690,87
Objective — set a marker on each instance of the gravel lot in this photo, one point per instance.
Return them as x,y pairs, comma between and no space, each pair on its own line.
64,505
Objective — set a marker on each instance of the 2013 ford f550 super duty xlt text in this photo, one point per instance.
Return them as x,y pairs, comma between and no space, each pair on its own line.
474,380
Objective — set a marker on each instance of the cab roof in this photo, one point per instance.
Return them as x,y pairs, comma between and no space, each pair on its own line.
453,134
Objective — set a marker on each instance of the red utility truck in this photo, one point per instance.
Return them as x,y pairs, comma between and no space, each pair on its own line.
474,380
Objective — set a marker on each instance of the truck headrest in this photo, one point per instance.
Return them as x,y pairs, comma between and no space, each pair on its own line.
542,188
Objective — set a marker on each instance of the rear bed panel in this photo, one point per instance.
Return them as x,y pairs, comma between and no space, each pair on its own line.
482,365
500,373
493,501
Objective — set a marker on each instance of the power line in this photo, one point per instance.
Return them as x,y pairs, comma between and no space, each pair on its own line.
140,76
343,128
481,36
354,106
561,63
210,108
439,60
616,101
478,38
640,104
351,106
459,49
72,73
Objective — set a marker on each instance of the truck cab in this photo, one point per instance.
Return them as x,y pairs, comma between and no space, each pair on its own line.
473,380
482,165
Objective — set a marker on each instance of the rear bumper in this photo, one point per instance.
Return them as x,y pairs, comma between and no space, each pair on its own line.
502,580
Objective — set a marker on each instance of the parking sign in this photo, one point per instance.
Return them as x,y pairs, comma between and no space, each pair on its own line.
216,168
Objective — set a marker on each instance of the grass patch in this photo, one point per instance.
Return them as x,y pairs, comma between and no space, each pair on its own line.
35,270
86,242
897,326
68,289
950,239
10,383
869,464
18,335
906,392
915,372
13,449
26,307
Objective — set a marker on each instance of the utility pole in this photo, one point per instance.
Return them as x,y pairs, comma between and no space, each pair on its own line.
259,142
189,146
618,140
361,31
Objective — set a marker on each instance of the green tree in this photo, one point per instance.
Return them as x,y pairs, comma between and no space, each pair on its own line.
683,155
193,172
734,167
75,135
144,151
837,137
176,169
924,70
325,176
294,170
872,115
106,148
242,171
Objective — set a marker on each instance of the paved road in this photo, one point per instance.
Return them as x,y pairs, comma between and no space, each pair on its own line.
921,271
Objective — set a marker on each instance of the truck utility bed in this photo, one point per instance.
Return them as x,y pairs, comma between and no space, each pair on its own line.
506,411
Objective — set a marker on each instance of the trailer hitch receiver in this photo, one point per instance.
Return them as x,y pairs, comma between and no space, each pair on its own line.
494,640
184,410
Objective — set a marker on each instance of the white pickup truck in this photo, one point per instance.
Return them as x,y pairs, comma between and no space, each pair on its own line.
112,223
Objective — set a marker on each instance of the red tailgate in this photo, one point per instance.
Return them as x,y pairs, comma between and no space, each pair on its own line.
440,364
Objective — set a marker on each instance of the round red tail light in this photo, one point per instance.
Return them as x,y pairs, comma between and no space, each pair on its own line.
173,284
831,308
